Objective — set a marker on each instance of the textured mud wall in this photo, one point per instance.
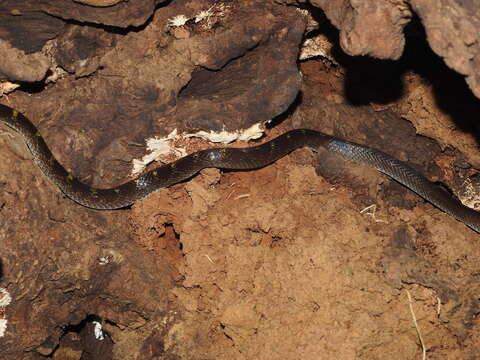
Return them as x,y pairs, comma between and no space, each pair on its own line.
309,258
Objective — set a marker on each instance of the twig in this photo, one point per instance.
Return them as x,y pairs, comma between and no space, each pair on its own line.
371,210
242,196
424,349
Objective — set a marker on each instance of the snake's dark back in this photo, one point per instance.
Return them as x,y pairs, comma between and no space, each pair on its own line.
229,158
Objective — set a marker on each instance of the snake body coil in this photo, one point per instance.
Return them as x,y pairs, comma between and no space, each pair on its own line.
229,158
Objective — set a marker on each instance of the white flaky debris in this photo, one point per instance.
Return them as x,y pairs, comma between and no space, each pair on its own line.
318,46
225,137
103,260
7,87
178,21
97,330
207,17
204,14
5,297
157,147
470,196
56,73
3,327
161,146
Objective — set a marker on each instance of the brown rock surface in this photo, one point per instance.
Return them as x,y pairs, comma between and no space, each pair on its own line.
452,32
376,28
369,27
122,14
276,263
18,66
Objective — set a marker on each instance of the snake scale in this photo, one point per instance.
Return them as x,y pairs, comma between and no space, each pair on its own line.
229,158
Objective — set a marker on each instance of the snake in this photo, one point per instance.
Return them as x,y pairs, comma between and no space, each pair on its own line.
249,158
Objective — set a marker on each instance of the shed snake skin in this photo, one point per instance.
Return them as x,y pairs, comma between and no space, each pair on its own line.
229,158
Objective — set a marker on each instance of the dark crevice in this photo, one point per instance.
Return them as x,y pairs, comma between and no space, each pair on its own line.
451,92
33,87
369,80
222,326
171,234
83,337
170,230
202,77
277,120
117,30
77,328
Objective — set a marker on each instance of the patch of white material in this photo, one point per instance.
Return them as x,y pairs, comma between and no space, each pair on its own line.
318,46
161,146
56,74
207,16
157,147
97,330
225,137
204,14
7,87
3,327
104,260
82,63
304,12
178,21
470,195
5,297
212,15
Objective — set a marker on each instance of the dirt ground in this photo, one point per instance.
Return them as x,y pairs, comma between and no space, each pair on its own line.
308,258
